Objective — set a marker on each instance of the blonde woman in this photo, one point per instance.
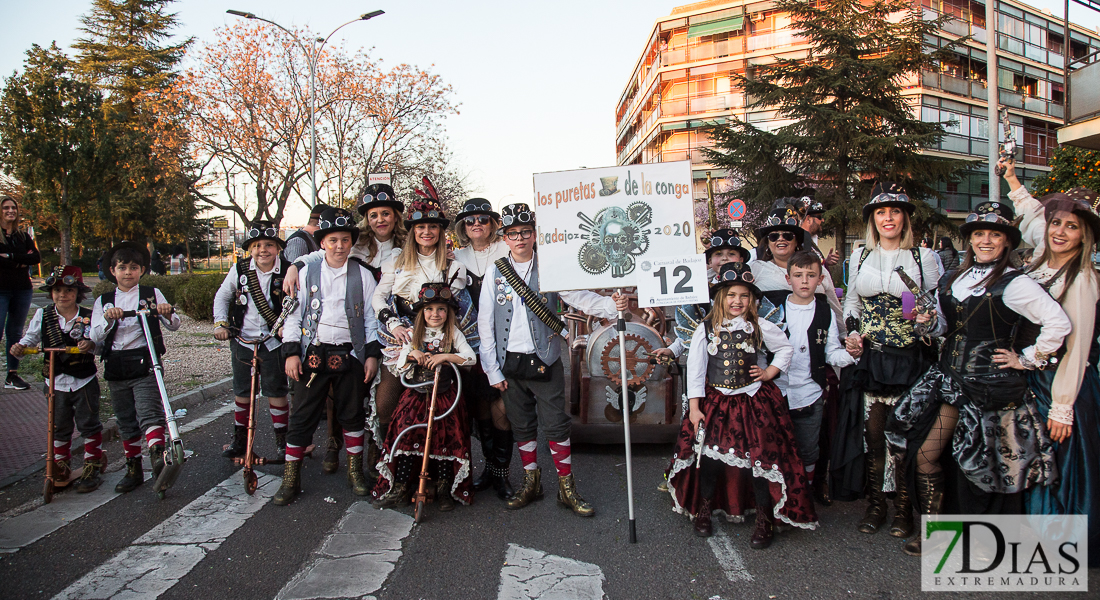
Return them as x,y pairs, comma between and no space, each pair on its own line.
17,252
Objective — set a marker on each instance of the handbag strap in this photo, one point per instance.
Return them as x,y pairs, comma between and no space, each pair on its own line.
534,304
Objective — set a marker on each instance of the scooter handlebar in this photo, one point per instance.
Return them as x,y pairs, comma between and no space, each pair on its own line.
133,313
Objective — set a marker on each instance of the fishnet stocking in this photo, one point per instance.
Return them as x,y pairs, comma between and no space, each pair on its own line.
500,417
928,457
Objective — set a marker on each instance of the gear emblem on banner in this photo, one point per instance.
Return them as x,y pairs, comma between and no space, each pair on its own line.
615,237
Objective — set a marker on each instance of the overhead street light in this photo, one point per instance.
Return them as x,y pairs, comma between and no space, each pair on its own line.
312,58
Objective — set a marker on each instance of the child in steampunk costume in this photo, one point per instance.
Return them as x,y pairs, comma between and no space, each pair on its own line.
247,304
330,343
524,360
436,340
66,323
127,366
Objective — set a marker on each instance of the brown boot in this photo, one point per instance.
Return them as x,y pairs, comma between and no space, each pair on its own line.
902,526
292,483
331,461
702,522
443,497
765,530
356,479
876,498
930,496
62,472
570,497
90,479
397,496
530,491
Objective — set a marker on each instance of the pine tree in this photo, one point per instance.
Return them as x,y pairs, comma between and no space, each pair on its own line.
128,50
1069,168
850,124
51,128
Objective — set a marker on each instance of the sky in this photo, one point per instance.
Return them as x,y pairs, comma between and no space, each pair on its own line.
537,82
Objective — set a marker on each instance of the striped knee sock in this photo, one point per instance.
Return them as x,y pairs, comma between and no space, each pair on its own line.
154,436
93,447
279,415
61,449
293,452
132,447
563,459
528,454
353,441
240,412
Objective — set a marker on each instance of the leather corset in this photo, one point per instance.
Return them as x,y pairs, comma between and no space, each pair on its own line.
977,326
729,367
882,321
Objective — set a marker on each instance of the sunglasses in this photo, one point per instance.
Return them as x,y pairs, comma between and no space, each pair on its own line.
478,220
68,280
717,242
775,236
889,198
433,294
431,214
337,222
523,233
732,275
471,207
380,196
523,217
988,218
268,232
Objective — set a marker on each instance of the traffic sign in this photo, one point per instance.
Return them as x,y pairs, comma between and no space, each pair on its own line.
737,209
219,223
384,178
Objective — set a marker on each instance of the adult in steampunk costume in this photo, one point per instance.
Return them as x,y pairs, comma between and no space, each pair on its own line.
891,358
478,230
973,407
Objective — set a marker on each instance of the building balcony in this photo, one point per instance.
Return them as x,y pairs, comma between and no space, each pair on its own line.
1083,130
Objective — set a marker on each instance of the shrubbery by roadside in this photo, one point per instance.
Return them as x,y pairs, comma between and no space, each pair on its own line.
193,295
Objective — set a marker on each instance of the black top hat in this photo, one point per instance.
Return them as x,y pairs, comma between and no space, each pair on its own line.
1080,201
477,206
784,217
315,212
69,276
378,195
425,211
435,292
108,257
516,214
997,216
334,220
262,230
735,274
887,193
727,239
811,207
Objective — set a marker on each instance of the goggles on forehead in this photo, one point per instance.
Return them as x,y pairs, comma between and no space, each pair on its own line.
734,276
478,219
523,217
342,221
67,280
889,198
420,214
433,294
716,242
986,218
267,232
471,207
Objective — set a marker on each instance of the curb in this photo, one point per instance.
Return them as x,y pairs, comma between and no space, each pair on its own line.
110,426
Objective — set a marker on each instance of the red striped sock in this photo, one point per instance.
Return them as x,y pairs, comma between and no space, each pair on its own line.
353,441
528,454
132,447
563,459
294,452
61,449
280,415
240,412
154,436
93,447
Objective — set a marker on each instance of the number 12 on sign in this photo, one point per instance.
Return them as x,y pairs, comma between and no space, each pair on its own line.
673,280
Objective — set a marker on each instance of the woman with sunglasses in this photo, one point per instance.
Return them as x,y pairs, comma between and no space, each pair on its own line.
779,238
973,406
17,252
891,358
422,260
1064,228
477,229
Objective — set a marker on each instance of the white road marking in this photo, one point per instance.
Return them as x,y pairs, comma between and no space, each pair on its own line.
728,557
529,574
167,552
355,559
199,422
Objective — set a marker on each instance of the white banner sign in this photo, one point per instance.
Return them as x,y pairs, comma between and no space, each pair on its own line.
374,178
673,280
595,226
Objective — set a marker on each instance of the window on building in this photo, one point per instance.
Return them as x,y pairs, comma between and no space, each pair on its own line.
1057,93
1055,42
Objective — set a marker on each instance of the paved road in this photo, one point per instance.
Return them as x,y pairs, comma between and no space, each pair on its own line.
209,537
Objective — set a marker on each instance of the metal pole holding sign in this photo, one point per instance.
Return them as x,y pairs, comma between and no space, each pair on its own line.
620,326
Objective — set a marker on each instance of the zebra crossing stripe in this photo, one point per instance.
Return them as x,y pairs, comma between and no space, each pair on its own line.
167,552
528,574
355,559
728,557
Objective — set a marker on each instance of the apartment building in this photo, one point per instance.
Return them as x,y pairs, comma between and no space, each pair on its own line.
681,84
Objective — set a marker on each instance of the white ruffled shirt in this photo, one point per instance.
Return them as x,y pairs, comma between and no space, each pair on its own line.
876,275
435,335
774,339
477,262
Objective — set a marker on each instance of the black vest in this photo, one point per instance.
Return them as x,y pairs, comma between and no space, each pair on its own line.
274,287
148,294
302,235
817,336
76,365
977,326
729,367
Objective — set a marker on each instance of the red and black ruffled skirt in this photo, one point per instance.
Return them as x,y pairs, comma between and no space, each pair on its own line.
753,437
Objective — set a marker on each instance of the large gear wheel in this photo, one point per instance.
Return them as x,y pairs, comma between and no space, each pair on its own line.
638,367
592,259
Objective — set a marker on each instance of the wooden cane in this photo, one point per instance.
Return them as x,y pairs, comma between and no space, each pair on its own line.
421,492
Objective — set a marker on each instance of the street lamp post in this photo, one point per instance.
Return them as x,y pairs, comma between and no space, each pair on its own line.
312,58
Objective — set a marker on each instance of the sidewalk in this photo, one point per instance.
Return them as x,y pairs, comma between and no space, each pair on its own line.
23,435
